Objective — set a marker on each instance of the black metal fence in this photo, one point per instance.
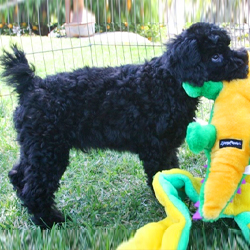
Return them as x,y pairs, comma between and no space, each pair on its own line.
59,35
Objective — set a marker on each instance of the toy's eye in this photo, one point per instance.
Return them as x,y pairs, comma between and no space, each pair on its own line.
217,58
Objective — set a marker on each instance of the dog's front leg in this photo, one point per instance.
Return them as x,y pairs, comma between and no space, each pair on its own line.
158,159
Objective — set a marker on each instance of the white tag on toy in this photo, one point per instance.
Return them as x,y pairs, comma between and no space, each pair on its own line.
247,170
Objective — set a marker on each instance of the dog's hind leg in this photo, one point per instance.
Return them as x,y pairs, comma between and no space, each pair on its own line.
16,176
40,169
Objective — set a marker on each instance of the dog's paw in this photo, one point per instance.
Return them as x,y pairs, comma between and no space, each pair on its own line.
47,220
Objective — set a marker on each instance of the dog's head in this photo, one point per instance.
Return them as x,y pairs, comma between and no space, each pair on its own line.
201,53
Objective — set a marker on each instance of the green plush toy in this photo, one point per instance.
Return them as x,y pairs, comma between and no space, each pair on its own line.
225,191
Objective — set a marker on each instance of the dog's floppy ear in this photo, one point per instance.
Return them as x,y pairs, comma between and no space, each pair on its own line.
184,61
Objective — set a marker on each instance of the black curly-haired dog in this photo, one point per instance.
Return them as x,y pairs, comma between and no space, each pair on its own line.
138,108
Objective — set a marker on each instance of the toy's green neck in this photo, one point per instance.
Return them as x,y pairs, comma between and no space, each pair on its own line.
209,89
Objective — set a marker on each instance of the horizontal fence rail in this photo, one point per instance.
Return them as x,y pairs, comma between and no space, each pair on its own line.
62,35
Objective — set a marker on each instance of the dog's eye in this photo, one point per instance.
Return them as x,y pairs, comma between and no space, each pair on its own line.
216,58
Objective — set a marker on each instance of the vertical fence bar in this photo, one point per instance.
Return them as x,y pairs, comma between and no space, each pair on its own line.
136,32
48,24
39,28
59,27
87,21
95,52
98,15
120,23
151,24
128,23
113,28
143,24
105,23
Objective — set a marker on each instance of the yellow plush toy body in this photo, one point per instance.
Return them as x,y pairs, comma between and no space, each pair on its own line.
230,153
173,231
225,191
226,143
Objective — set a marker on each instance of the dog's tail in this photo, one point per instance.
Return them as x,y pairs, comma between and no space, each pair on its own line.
16,70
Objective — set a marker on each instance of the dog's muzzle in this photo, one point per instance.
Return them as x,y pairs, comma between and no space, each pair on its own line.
247,69
242,54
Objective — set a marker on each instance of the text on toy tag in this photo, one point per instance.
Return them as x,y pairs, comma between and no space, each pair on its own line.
233,143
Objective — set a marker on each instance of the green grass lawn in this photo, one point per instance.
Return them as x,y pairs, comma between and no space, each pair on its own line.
104,192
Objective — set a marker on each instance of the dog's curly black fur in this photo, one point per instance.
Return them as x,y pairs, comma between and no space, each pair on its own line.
138,108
